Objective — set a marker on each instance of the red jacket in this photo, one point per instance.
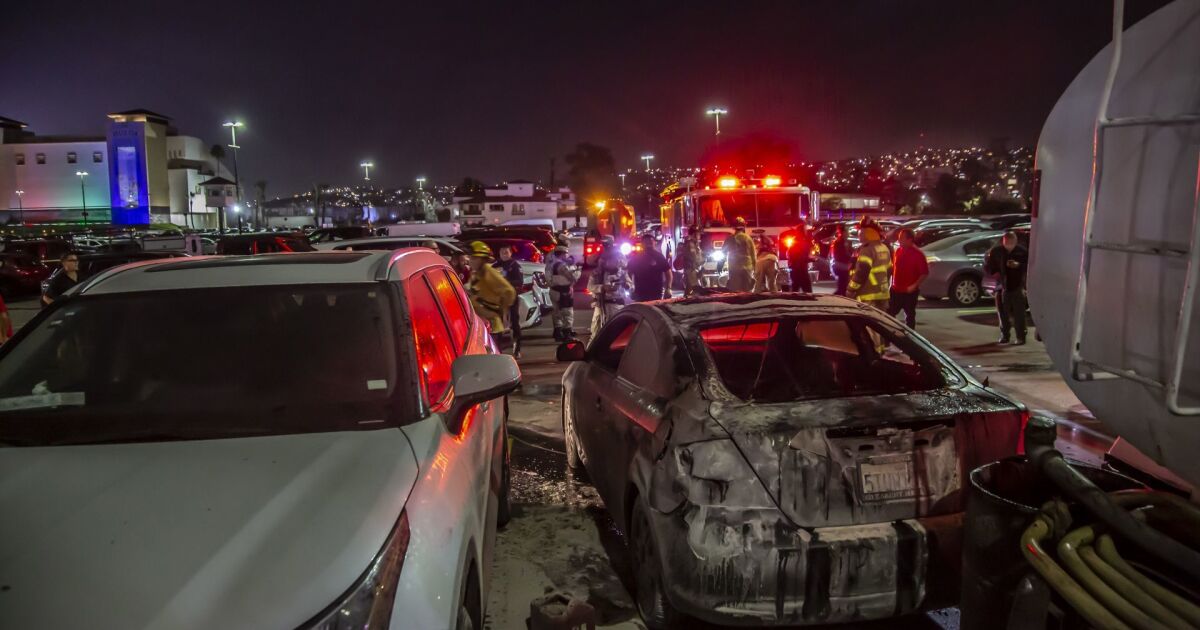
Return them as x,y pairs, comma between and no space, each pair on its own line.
908,264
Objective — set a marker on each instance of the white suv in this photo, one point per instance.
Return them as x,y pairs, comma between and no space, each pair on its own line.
281,441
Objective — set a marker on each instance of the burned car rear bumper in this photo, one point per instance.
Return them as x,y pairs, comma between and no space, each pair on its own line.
753,567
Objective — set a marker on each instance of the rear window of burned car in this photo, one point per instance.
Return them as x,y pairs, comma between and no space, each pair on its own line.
799,358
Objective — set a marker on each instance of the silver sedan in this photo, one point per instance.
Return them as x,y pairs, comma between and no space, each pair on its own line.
956,267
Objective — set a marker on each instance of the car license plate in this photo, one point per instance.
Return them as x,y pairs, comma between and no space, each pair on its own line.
884,480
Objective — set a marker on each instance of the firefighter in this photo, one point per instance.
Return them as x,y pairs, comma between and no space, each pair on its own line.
692,259
766,268
491,295
870,276
608,285
739,258
562,275
798,259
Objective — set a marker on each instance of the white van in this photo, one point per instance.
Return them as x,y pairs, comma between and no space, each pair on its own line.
546,223
421,229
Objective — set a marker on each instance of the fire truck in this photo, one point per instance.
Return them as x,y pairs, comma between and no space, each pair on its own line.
770,204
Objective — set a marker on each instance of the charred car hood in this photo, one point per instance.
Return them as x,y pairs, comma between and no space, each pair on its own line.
257,532
836,462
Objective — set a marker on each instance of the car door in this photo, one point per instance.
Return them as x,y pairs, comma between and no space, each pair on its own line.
592,409
637,399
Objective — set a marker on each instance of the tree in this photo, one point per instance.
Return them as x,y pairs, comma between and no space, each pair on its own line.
469,187
592,174
261,187
218,153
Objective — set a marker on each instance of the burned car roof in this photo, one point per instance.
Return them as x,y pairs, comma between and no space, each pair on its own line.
697,310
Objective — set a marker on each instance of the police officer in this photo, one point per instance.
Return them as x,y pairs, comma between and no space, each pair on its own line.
608,285
562,275
870,276
740,257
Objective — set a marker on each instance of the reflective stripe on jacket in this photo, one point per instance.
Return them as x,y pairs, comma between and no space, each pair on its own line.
872,270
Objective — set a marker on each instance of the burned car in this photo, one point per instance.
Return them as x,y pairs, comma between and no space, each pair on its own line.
780,459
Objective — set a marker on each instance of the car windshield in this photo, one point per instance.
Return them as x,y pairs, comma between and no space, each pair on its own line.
798,358
758,209
201,363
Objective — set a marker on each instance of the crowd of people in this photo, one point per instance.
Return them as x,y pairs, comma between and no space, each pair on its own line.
874,272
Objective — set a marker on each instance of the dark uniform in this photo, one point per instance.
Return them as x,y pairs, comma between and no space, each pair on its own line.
1011,302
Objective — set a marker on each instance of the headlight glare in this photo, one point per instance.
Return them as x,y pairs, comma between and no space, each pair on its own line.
368,603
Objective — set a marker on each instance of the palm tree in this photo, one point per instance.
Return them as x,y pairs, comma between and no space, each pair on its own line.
218,153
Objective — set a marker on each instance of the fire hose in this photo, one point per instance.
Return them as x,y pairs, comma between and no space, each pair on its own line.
1089,573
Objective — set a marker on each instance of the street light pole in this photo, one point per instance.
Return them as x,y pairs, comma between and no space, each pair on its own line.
366,166
420,183
21,205
622,176
83,195
647,158
716,113
237,182
237,209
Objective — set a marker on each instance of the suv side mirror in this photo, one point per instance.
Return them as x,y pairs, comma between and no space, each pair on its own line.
479,378
571,351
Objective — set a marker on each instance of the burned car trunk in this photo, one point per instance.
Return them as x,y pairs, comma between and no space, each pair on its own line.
809,462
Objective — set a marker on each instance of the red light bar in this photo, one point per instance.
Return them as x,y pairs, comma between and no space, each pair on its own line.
770,181
728,182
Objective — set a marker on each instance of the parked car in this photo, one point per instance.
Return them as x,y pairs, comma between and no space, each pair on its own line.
21,274
261,243
341,233
956,267
533,295
779,460
47,251
285,441
523,249
927,235
541,236
92,264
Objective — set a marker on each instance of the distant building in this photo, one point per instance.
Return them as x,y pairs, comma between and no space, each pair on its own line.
140,171
513,200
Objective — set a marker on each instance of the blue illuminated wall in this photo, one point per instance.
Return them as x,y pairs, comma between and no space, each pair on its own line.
127,175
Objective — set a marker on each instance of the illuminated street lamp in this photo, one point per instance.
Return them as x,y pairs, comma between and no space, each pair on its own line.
21,205
622,176
420,183
647,158
716,113
367,166
233,127
83,194
237,209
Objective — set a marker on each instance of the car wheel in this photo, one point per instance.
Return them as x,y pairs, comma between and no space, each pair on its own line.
966,291
575,465
651,598
504,509
470,615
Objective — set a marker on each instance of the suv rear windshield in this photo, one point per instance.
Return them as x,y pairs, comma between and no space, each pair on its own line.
798,358
201,363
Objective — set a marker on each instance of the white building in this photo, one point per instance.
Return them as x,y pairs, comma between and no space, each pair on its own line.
513,200
140,171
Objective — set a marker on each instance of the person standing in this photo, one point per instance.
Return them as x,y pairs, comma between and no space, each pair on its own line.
491,295
607,283
739,258
63,280
1008,263
910,269
842,257
461,264
561,276
650,272
510,268
693,263
766,268
872,268
798,258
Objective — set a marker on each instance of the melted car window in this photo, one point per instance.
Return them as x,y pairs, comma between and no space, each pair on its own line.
798,358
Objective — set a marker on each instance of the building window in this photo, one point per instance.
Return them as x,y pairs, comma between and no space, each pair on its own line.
97,157
72,157
20,159
41,158
518,209
496,207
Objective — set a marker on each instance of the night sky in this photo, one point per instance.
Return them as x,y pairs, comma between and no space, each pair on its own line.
494,89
